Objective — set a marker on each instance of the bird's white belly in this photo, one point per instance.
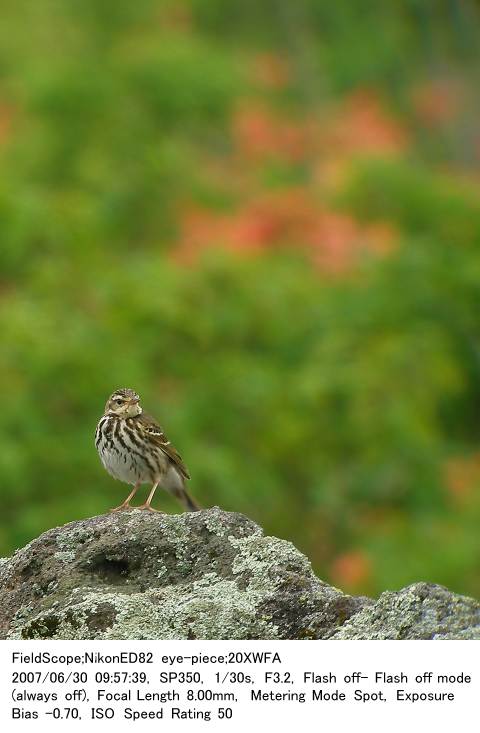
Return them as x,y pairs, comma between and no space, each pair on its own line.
124,458
121,467
130,467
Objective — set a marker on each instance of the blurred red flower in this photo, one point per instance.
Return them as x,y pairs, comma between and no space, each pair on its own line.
360,124
259,134
352,570
290,218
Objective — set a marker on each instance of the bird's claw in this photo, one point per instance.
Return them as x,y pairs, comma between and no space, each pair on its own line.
120,508
149,508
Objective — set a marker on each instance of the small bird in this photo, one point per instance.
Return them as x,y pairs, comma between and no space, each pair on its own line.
133,448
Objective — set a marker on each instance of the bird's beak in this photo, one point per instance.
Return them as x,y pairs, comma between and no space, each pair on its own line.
132,407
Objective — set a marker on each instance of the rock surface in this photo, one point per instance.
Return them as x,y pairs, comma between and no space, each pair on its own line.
204,575
420,611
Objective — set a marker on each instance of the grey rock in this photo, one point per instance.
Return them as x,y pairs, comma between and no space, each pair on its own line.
136,575
203,575
419,611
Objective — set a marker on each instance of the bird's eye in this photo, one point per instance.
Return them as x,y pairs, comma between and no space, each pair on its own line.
118,402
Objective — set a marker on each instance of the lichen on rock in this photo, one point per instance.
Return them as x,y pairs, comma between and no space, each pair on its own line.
135,575
203,575
420,611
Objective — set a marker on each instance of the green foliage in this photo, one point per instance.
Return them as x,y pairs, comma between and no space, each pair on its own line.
329,407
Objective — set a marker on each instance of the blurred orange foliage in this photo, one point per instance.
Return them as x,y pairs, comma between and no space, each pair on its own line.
339,239
438,101
270,70
296,217
462,476
176,17
352,570
361,125
287,218
258,134
6,119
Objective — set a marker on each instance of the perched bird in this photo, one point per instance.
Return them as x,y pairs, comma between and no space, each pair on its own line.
133,448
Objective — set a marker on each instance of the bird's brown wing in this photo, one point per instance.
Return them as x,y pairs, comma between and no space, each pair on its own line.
156,434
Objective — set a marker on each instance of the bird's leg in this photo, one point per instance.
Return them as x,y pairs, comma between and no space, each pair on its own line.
147,504
126,503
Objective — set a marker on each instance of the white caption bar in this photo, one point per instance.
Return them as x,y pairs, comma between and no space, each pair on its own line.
227,685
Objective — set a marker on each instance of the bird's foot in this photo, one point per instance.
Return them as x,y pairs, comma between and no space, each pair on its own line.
149,508
120,508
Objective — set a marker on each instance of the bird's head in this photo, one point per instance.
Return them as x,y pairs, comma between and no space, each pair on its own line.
123,403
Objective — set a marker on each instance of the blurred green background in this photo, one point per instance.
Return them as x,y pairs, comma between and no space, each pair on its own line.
265,218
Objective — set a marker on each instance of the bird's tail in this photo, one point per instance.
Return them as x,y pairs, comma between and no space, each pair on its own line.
184,497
